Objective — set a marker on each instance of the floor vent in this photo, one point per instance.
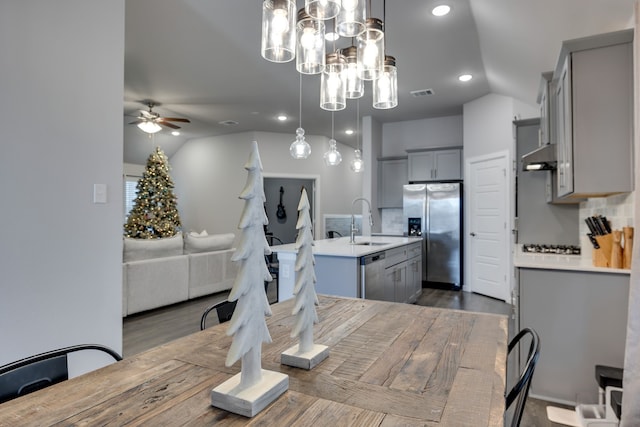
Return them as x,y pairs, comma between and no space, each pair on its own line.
421,92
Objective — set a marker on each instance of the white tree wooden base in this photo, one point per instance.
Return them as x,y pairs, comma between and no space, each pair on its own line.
251,400
305,360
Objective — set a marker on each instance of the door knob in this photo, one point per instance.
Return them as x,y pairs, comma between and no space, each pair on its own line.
472,234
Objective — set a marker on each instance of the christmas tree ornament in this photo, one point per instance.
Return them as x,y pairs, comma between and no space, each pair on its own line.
250,391
305,354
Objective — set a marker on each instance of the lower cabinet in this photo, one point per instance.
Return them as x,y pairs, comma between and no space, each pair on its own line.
403,273
414,278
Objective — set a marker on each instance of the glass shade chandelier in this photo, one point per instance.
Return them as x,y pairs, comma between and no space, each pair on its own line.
385,88
332,88
322,9
310,45
350,22
333,156
353,82
357,164
300,148
278,30
371,49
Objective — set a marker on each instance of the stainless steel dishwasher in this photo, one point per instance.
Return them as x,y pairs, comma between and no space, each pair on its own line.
372,276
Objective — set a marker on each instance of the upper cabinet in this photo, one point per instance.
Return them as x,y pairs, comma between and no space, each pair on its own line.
435,164
545,94
593,99
392,175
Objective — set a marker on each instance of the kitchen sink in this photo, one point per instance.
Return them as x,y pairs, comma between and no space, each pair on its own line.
371,243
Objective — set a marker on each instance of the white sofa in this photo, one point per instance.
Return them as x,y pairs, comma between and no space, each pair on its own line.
159,272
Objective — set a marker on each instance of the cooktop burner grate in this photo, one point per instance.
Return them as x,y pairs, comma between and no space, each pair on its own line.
551,249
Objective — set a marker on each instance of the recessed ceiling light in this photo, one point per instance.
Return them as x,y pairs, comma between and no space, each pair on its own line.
282,117
349,131
441,10
465,77
175,133
331,36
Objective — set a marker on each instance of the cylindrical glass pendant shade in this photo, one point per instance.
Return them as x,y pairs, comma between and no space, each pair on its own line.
322,9
278,30
350,22
371,49
385,87
352,75
333,156
332,87
310,44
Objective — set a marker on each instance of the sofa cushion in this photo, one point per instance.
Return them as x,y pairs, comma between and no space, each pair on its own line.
213,242
139,249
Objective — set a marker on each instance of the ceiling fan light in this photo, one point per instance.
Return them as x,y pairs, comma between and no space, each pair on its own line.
350,22
310,44
278,30
385,88
149,127
322,9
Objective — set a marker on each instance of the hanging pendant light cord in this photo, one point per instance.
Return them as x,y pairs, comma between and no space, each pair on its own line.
300,104
332,125
358,124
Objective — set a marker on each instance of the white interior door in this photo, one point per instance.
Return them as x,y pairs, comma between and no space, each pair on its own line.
488,231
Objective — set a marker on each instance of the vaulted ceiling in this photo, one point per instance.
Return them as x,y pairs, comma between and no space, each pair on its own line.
201,59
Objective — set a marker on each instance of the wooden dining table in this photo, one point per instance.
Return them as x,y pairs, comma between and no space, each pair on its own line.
389,364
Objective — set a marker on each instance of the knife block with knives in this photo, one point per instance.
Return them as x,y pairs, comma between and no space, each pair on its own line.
608,248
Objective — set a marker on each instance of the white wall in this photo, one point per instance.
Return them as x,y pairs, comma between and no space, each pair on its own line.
372,147
425,133
209,175
61,116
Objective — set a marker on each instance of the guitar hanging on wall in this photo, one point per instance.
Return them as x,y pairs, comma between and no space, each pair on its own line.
281,213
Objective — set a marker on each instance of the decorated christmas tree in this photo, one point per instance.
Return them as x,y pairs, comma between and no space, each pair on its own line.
155,208
306,354
248,392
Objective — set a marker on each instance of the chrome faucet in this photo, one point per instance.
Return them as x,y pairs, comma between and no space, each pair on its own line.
354,229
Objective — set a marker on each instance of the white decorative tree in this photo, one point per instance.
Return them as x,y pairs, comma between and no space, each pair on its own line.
306,354
250,391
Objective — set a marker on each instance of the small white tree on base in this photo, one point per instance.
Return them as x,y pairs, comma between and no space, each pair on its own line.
306,354
250,391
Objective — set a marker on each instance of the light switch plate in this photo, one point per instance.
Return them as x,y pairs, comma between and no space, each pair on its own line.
99,193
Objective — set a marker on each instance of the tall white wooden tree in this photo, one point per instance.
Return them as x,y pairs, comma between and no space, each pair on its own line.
248,324
306,354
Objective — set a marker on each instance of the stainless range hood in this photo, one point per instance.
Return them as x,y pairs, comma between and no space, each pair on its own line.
543,158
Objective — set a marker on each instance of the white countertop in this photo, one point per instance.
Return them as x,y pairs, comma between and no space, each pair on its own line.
341,247
560,262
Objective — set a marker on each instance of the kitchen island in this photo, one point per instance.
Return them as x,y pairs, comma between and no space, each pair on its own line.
375,267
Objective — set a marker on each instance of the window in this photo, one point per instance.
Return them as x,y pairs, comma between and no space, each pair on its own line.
130,192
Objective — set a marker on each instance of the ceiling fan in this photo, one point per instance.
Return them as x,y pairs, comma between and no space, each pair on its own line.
152,122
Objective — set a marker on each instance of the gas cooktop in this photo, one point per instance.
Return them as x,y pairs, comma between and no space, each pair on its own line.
551,249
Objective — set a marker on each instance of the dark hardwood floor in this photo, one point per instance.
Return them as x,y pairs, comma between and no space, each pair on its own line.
155,327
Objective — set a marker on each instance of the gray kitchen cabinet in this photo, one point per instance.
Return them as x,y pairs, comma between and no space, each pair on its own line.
545,103
395,273
392,175
414,272
435,165
594,115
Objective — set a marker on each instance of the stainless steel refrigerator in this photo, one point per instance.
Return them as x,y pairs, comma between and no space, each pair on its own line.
433,211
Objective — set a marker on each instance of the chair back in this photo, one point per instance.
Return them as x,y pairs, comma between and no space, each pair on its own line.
520,389
40,371
223,309
331,234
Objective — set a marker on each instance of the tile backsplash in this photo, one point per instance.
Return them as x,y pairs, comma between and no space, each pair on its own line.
391,221
618,209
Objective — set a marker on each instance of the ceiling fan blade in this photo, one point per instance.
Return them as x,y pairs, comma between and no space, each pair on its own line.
167,124
175,119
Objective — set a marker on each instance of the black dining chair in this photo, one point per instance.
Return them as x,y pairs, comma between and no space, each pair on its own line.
520,390
332,234
40,371
223,309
